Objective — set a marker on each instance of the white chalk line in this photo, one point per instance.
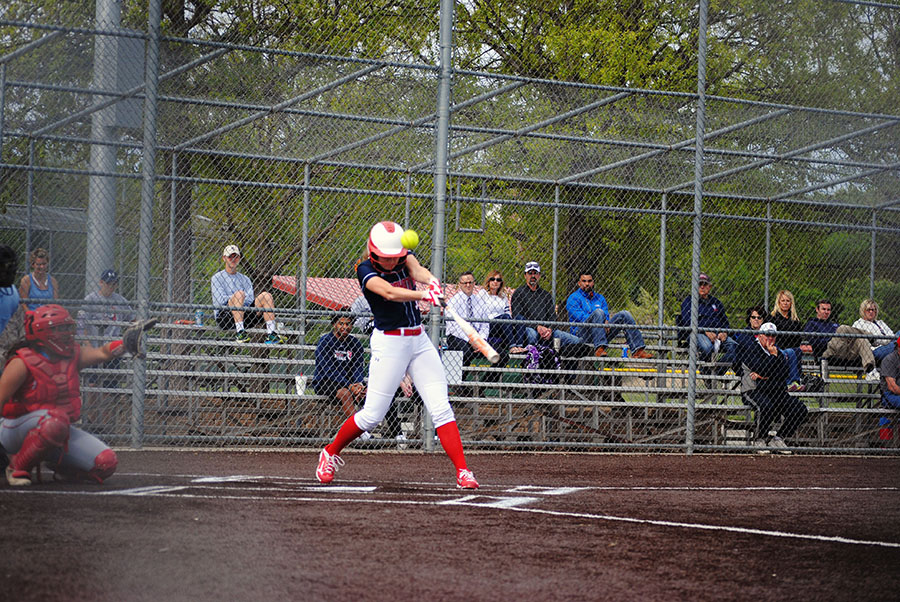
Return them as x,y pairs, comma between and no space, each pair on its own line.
667,523
470,501
546,490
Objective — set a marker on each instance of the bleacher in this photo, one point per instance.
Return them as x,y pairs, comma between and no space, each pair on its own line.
204,388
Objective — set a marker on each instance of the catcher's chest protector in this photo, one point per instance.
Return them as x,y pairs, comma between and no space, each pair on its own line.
51,385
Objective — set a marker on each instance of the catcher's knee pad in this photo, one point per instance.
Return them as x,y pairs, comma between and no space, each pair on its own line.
104,465
51,433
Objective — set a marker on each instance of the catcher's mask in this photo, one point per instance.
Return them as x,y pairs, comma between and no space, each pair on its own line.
8,261
51,327
384,242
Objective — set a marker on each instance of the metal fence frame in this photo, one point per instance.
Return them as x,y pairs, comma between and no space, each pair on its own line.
441,166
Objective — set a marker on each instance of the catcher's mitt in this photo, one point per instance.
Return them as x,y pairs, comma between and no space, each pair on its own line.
133,337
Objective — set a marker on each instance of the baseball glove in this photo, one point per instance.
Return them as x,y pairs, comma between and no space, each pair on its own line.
133,337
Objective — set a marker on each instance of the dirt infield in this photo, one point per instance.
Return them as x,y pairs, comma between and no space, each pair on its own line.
256,526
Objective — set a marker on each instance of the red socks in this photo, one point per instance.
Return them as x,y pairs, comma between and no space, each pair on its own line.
347,433
452,444
447,433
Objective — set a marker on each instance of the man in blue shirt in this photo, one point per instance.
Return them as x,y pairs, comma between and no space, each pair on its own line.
710,314
822,324
340,366
589,307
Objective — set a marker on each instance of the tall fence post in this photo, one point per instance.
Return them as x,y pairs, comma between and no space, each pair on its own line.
441,156
768,258
148,184
698,216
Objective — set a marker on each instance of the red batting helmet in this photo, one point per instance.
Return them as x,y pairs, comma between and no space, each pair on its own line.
384,241
51,327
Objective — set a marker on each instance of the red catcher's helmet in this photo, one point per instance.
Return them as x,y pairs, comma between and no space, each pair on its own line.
51,327
384,241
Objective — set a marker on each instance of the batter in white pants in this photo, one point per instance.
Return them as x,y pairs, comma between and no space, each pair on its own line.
392,356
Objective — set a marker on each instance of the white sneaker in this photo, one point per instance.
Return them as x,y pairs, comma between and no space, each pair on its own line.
760,446
777,443
873,376
365,436
401,441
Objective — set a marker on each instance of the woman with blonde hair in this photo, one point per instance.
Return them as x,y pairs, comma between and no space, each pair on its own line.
493,304
784,317
39,284
883,339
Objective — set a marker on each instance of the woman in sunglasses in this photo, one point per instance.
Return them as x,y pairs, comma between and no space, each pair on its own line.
756,315
882,339
493,304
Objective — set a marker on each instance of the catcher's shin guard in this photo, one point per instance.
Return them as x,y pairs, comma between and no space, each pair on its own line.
51,433
104,466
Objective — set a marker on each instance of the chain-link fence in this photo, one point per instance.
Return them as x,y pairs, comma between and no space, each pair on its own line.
504,133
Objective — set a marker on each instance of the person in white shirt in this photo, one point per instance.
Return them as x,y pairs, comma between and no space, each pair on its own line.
883,338
465,303
493,304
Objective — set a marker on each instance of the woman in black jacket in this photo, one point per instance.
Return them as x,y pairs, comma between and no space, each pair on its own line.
784,317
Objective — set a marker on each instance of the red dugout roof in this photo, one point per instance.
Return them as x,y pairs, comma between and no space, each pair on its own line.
336,293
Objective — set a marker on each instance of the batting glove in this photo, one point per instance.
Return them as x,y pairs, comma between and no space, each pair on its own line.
435,285
433,297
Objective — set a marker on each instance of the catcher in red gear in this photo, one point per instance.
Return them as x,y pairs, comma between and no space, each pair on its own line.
40,398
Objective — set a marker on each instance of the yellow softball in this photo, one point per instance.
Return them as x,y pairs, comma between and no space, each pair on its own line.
409,240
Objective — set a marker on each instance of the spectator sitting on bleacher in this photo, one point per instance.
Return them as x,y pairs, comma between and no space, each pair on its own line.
493,304
102,306
464,303
765,370
784,317
232,289
846,349
710,314
756,315
890,377
822,325
467,304
589,307
881,337
340,365
534,305
101,319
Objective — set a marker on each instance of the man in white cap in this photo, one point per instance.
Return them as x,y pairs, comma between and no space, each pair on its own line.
764,385
232,289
